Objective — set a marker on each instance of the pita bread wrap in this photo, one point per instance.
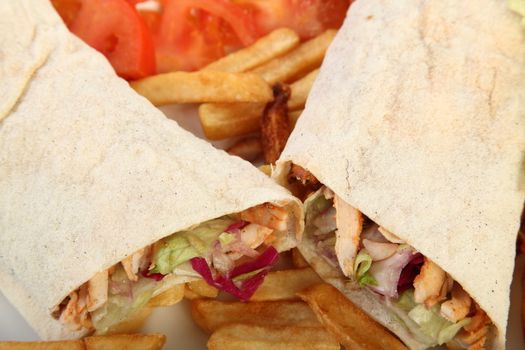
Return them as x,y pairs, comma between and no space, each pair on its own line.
90,172
417,120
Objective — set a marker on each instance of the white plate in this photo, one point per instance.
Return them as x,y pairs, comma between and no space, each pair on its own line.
176,323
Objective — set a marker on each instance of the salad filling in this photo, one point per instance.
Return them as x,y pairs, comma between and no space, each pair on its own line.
433,307
232,253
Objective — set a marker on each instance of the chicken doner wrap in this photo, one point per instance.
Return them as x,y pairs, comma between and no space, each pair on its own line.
409,156
104,202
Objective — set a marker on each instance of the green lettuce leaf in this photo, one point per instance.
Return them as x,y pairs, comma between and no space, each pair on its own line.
226,238
314,205
185,245
120,307
362,264
449,332
434,325
406,301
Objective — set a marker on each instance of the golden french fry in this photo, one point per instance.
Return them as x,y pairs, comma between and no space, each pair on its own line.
304,58
200,289
300,90
250,337
347,322
263,50
203,86
249,148
285,284
275,126
266,169
220,121
210,315
126,342
298,259
169,297
132,324
44,345
223,120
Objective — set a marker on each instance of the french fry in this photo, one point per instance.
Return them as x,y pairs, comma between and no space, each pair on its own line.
126,342
298,259
263,50
132,324
221,120
275,126
199,289
300,90
349,324
249,337
249,148
203,86
266,169
210,315
285,284
169,297
44,345
294,64
105,342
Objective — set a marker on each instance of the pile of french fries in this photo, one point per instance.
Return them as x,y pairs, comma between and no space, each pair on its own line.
235,92
108,342
293,309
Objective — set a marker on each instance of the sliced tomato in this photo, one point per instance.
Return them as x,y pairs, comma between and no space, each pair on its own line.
67,9
115,28
307,17
193,33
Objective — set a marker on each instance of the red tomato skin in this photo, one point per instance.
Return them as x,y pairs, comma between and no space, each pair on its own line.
67,9
306,17
193,33
114,28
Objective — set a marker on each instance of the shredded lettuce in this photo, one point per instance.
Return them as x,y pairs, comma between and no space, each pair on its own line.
226,238
247,275
518,6
362,264
434,325
121,306
446,334
186,245
314,205
406,301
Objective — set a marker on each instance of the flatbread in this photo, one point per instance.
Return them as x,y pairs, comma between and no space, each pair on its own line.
90,172
417,119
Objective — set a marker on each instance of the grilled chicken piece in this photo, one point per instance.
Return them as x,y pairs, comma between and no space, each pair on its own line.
254,235
69,315
478,345
133,263
97,288
306,178
458,307
474,334
75,314
349,222
468,339
268,215
428,284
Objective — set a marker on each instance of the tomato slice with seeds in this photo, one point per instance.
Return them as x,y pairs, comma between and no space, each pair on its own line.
193,33
114,28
